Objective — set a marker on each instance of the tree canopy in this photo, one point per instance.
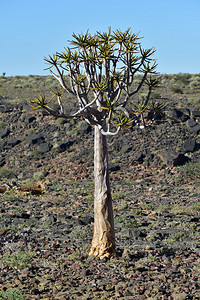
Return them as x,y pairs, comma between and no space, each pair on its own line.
96,69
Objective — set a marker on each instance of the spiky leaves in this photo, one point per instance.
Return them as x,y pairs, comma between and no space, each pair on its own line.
105,64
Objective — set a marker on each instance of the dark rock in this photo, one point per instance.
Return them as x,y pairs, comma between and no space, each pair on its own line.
38,165
63,146
4,108
35,139
13,142
177,115
173,158
137,233
25,215
30,118
85,220
45,147
189,145
196,114
15,116
195,219
140,157
2,144
2,161
193,126
84,128
126,148
114,167
4,133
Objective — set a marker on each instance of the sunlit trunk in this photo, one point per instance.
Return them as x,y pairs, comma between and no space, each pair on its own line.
103,243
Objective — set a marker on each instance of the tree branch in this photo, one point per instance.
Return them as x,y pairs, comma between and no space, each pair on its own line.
61,80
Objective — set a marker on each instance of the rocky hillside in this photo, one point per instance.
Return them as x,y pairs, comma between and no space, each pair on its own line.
156,197
32,142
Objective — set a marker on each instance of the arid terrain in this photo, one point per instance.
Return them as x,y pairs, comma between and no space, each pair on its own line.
155,179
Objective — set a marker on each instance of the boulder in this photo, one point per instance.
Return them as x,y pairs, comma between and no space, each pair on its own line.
4,133
196,114
178,114
84,128
193,126
189,145
173,158
35,139
63,146
13,142
45,147
114,167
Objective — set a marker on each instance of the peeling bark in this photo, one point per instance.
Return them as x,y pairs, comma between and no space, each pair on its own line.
103,243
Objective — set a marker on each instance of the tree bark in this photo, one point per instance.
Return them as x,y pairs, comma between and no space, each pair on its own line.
103,243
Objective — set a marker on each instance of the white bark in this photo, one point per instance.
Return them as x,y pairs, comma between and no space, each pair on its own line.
103,243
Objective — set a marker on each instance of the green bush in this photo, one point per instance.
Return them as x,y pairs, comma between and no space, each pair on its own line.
176,89
2,125
18,259
6,173
195,81
191,171
11,294
61,121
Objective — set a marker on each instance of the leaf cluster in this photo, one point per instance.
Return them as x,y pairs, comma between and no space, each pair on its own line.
103,65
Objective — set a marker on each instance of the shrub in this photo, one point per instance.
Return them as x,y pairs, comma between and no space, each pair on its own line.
6,173
19,259
191,171
176,89
2,125
11,294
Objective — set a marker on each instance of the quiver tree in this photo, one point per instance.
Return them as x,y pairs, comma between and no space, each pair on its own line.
98,70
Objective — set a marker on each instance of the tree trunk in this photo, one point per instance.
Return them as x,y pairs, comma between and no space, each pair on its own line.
103,243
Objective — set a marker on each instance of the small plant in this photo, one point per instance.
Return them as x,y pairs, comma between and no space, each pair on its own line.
11,198
36,152
2,125
176,89
11,294
191,171
6,173
19,259
61,121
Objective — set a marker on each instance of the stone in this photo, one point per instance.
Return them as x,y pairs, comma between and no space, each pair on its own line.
35,139
2,144
173,158
15,116
84,128
30,118
125,148
4,133
193,126
189,145
45,147
2,161
177,115
114,167
4,108
196,114
85,220
140,157
63,146
13,142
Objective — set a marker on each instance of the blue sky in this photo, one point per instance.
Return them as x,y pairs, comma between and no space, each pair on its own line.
32,29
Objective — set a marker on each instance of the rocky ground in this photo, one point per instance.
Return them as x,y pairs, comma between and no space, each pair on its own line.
154,174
